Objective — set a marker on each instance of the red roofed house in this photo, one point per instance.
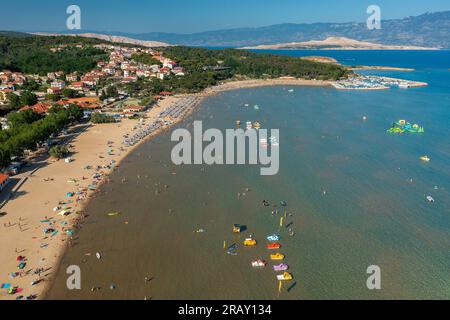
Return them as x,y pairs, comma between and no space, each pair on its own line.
4,179
77,86
39,107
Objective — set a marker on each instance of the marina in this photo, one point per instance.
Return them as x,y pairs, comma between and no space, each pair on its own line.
365,82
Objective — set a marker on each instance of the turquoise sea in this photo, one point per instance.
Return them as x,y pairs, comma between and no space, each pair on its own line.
356,196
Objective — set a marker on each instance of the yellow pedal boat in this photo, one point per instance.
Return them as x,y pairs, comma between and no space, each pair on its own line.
277,256
249,242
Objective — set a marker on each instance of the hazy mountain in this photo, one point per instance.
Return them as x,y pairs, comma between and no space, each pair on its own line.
427,30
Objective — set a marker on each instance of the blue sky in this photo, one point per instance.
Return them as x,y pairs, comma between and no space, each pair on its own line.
187,16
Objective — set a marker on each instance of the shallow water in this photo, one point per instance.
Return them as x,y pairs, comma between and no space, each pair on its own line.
374,209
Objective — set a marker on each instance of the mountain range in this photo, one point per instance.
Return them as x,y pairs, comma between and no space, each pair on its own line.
426,30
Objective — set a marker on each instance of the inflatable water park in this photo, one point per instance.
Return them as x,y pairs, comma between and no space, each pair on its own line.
402,126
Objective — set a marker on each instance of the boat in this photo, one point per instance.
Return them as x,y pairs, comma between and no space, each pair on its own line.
291,90
257,125
430,199
256,107
249,125
273,246
274,141
249,242
246,105
286,276
237,228
258,263
112,214
425,158
263,142
200,230
273,237
232,249
277,256
280,267
238,122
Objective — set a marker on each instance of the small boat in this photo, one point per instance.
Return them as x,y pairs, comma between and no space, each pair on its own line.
274,141
98,255
263,142
232,249
273,246
258,263
237,228
200,230
277,256
280,267
284,277
238,122
112,214
249,125
425,158
256,107
430,199
257,125
273,237
246,105
291,90
249,242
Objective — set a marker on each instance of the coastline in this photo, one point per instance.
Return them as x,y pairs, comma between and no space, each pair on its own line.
43,187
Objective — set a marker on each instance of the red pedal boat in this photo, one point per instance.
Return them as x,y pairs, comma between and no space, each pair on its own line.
273,246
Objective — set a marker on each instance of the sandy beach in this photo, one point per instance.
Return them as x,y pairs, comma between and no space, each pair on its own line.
39,195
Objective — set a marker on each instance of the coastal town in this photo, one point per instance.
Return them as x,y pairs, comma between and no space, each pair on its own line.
91,86
45,188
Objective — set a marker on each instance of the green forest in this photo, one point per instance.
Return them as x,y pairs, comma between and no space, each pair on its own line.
31,54
28,129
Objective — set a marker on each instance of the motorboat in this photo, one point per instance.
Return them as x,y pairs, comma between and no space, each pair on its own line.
257,125
286,276
277,256
258,263
249,125
425,158
263,142
280,267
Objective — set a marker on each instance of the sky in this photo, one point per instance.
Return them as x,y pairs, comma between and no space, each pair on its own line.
190,16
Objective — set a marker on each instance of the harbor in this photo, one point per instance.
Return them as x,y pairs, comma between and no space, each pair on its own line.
366,82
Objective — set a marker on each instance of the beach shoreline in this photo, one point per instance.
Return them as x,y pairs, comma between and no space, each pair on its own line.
26,207
44,188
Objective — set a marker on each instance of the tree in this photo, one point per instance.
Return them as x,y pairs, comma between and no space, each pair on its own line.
69,93
102,118
19,118
59,152
13,100
28,98
52,97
